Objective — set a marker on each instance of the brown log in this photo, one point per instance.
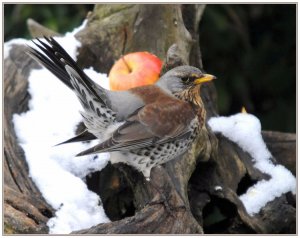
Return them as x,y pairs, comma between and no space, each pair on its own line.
37,30
25,210
196,193
283,146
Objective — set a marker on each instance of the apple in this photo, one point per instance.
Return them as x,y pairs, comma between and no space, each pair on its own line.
134,70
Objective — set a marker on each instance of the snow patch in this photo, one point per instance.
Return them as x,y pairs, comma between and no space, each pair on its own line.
52,117
245,130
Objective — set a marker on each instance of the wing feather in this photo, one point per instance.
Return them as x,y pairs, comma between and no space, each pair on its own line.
150,125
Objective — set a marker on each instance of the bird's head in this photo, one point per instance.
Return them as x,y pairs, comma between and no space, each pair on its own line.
182,78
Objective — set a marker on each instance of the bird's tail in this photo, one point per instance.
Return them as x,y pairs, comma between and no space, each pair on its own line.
52,56
81,137
92,97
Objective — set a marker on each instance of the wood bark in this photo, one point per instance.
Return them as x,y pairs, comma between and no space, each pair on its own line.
25,210
196,193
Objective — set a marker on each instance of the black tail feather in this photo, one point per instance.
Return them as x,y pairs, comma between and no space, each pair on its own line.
84,136
50,61
55,58
100,148
60,53
51,55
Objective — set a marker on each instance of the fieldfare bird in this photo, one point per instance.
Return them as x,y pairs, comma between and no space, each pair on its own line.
142,127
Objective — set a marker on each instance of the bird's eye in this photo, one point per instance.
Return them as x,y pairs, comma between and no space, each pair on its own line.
187,79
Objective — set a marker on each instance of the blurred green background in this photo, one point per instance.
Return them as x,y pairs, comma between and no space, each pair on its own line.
250,48
252,51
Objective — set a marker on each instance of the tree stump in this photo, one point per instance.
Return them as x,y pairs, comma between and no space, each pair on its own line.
189,183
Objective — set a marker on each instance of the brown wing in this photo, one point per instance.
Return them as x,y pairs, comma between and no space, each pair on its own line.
154,123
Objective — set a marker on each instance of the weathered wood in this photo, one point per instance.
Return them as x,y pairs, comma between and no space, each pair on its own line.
37,30
25,210
219,180
283,146
279,216
196,193
153,216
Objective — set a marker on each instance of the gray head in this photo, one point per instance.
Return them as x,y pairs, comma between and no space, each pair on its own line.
182,77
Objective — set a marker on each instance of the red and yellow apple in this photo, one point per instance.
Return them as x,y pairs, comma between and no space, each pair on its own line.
134,70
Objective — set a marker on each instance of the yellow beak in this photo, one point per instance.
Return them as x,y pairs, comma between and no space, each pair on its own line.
205,78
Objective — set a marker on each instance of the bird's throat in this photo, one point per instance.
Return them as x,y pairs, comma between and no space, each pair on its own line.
192,95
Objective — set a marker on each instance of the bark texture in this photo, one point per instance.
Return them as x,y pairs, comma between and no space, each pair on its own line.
197,193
